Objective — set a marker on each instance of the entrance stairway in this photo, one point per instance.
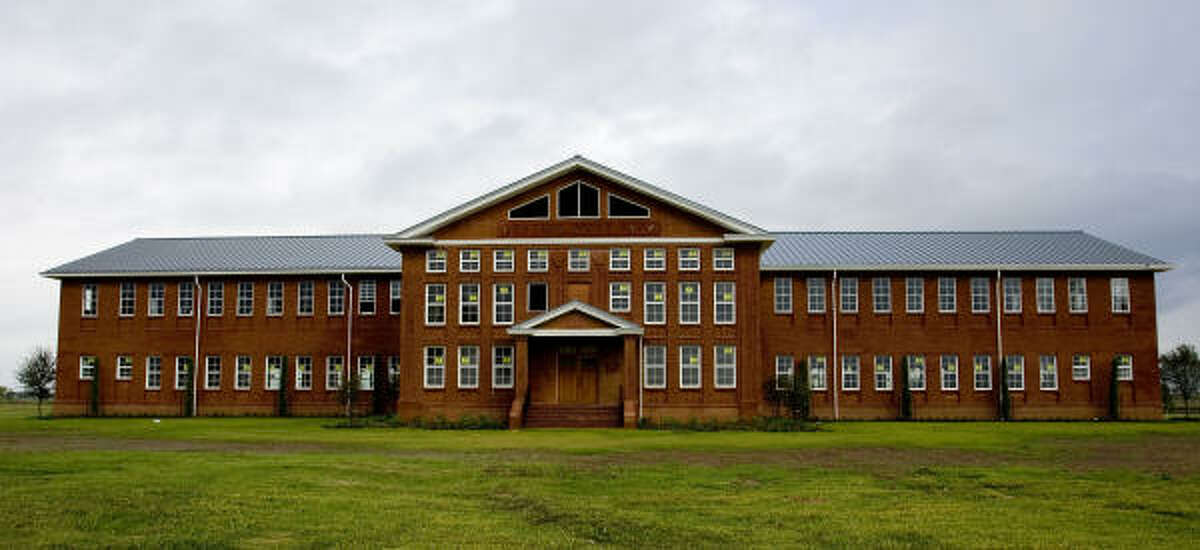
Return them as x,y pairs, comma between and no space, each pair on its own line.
572,416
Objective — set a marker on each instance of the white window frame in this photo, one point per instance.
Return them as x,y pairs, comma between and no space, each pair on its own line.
814,289
578,202
881,294
190,301
90,297
243,363
722,354
620,259
914,292
884,361
654,259
723,259
497,302
499,366
303,297
782,297
465,301
1009,362
1042,371
851,366
245,296
183,359
156,294
579,260
982,364
303,361
659,367
980,293
395,296
537,260
684,319
1119,289
527,203
612,196
691,362
153,368
848,294
465,367
272,381
209,361
652,299
1044,288
818,364
88,365
947,294
1077,298
435,261
785,368
334,367
948,365
1085,364
275,292
366,373
214,303
340,293
367,295
1012,295
126,299
916,363
431,306
728,299
687,263
124,367
470,260
620,292
499,262
1124,372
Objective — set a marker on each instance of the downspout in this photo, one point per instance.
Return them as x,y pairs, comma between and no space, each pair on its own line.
837,378
999,336
348,308
196,358
641,377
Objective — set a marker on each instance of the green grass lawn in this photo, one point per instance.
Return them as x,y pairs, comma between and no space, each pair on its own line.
246,482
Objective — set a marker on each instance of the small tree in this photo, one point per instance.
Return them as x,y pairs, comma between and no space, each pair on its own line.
1005,398
189,394
800,399
791,392
5,393
906,397
282,400
348,393
1181,374
1114,392
37,373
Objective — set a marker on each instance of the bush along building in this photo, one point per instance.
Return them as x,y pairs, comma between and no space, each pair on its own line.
583,296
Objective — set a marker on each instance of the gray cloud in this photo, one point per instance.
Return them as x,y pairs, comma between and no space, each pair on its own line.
154,119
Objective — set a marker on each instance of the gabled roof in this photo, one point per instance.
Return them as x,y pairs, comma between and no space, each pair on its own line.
925,250
619,326
329,254
427,227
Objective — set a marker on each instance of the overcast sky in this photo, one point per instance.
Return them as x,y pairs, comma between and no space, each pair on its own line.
138,119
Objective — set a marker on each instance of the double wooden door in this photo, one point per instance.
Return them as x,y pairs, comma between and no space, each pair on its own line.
575,375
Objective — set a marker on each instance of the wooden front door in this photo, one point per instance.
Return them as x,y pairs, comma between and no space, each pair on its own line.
578,375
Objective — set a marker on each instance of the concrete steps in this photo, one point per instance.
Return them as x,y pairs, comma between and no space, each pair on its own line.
573,416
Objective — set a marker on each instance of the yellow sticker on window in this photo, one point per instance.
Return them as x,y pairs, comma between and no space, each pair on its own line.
504,290
473,298
689,290
506,360
728,296
658,296
439,298
693,359
439,360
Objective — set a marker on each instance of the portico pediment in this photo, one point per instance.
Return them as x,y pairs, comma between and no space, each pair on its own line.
576,318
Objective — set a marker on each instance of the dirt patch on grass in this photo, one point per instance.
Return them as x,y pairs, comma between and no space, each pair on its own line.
1162,454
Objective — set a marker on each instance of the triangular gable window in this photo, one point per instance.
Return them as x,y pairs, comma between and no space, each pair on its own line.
536,209
624,208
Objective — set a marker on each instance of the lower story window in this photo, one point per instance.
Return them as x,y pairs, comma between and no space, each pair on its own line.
1124,366
950,372
816,370
183,372
87,367
1049,372
850,373
366,372
1081,367
689,366
784,365
304,373
274,374
1015,375
333,372
655,360
153,372
435,367
725,367
883,373
124,367
241,379
212,372
983,372
502,367
916,372
468,366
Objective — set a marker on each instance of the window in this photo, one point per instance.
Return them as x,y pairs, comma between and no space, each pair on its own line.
124,367
689,259
245,299
366,297
980,299
536,209
468,261
689,303
468,304
502,304
1120,294
654,359
435,304
783,295
212,372
1077,295
538,297
337,298
275,298
883,373
725,367
435,261
618,259
304,298
87,367
723,259
157,302
366,372
724,303
950,372
90,301
983,372
579,200
578,259
128,300
654,259
503,261
274,374
916,372
784,366
914,295
216,299
187,299
850,373
816,294
502,366
1124,366
468,366
619,297
881,293
304,374
1081,367
816,372
241,376
655,304
153,372
947,298
1016,372
1012,295
624,208
849,294
538,261
689,366
1049,372
183,372
1045,295
393,370
333,372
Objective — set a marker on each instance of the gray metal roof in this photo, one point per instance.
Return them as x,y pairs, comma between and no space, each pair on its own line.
235,255
961,250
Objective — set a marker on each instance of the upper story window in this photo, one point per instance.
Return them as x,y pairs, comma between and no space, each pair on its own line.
503,261
245,298
618,259
538,297
689,259
435,304
468,304
619,207
536,209
816,294
157,300
91,301
1045,295
435,261
914,295
1077,295
980,300
655,304
723,259
783,295
216,299
395,296
337,298
578,259
1012,295
1120,294
849,292
502,304
304,298
619,296
187,299
128,299
654,259
468,261
724,304
881,292
689,303
538,261
579,200
275,298
366,298
947,295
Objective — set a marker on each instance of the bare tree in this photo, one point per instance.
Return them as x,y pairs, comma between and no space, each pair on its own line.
37,374
1181,374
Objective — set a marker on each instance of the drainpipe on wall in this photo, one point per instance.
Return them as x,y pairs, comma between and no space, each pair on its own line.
834,301
348,309
641,377
196,358
999,336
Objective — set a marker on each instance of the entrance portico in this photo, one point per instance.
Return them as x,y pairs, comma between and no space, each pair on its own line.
573,356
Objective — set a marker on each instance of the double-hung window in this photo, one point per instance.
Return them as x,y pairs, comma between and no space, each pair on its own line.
655,304
366,372
883,373
128,299
245,299
914,295
435,304
816,372
654,359
689,259
947,295
1124,366
725,367
274,374
216,299
468,367
366,297
723,259
274,298
689,366
333,372
1045,295
816,294
783,294
916,372
1012,295
502,304
124,367
950,372
654,259
184,372
784,367
212,372
157,301
980,299
87,367
502,366
91,300
724,303
187,299
851,377
337,298
983,372
395,296
1015,375
1081,367
538,260
468,304
435,261
153,372
618,259
468,260
689,303
578,260
304,374
849,293
881,294
1077,295
305,298
242,372
537,296
619,296
1049,372
503,261
1120,294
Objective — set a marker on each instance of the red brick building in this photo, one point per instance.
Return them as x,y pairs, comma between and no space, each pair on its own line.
581,295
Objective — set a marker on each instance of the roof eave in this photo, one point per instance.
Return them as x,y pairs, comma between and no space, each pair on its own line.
224,273
1159,267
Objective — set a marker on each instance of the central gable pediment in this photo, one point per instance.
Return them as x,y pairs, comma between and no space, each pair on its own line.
576,318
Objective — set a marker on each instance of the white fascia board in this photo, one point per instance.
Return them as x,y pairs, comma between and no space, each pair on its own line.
576,333
975,267
98,275
555,241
